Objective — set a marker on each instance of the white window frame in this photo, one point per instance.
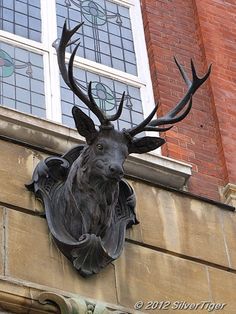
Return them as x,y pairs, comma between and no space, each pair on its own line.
36,47
142,81
51,70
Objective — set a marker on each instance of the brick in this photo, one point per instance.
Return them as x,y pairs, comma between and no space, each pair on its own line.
219,44
188,30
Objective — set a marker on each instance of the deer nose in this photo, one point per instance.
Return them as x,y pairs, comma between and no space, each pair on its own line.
116,170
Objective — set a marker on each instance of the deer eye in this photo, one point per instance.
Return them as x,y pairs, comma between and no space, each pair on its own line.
99,146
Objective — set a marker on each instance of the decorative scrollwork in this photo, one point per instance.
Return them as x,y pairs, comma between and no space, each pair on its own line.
77,305
89,247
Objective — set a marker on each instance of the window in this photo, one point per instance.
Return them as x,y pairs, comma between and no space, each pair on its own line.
22,85
112,55
22,18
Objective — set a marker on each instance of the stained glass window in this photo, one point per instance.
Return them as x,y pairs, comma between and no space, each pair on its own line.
22,80
107,94
30,78
21,17
106,36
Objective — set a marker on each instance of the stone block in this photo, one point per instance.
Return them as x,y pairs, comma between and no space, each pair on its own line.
229,228
19,298
179,224
222,285
2,245
16,168
147,275
33,257
229,194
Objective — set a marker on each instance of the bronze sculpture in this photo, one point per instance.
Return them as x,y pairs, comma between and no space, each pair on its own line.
88,204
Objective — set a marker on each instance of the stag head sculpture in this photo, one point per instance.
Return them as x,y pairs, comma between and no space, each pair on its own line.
88,205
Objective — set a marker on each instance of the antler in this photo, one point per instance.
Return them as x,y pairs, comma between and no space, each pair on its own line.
172,116
69,79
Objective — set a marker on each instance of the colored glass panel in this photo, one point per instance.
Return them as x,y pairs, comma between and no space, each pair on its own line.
106,36
22,80
107,94
21,17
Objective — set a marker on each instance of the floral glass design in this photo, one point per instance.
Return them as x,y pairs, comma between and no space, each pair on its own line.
107,94
106,36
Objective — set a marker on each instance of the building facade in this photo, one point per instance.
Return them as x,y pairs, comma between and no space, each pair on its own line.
195,29
181,257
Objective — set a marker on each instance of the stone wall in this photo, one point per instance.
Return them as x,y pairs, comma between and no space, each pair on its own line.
184,248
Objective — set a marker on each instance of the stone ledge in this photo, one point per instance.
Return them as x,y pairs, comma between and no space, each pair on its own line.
23,297
56,138
157,169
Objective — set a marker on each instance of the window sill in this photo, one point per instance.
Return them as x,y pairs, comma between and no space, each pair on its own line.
55,138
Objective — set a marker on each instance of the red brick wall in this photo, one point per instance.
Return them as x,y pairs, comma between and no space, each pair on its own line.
217,20
206,138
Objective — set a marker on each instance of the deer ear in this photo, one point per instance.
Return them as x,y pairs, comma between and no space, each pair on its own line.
145,144
84,124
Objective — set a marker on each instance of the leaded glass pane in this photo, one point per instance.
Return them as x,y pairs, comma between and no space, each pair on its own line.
21,17
107,94
106,36
22,80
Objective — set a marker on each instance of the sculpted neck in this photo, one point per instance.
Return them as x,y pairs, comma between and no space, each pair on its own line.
92,195
102,192
92,182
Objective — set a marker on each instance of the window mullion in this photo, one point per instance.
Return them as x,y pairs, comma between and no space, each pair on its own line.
142,58
146,92
52,80
21,41
107,71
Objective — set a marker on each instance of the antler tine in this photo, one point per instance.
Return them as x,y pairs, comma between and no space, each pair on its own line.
171,120
184,114
71,79
193,85
168,119
61,48
89,101
73,42
67,74
140,127
171,117
119,111
94,107
183,73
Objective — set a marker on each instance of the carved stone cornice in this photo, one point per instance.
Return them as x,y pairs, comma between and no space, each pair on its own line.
229,194
19,297
77,305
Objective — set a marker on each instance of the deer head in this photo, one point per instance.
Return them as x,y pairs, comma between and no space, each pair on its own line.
88,205
109,145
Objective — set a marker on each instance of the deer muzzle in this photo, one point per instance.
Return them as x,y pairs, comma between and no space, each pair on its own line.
115,171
